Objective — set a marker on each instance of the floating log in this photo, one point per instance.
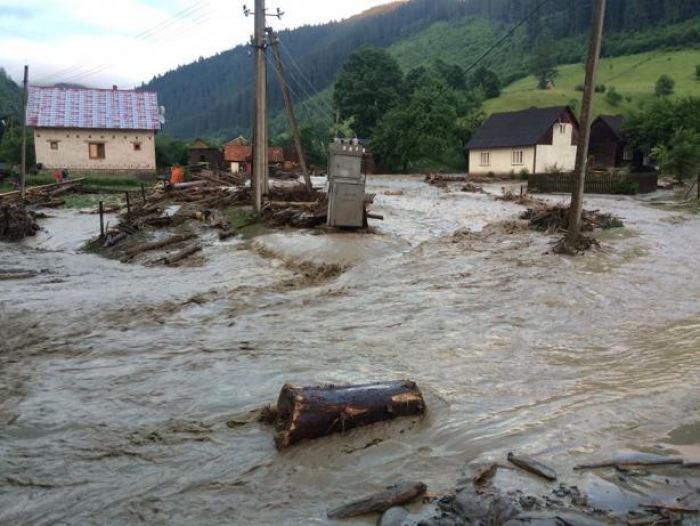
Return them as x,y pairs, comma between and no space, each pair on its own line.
375,216
113,240
313,412
678,508
533,466
184,253
145,247
380,502
16,275
641,460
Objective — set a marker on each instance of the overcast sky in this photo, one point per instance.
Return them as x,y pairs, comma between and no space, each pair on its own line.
126,42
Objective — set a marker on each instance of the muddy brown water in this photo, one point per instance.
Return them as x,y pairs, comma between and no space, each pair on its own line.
126,391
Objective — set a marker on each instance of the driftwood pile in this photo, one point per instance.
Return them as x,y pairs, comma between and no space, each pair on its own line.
521,198
472,188
16,222
441,180
219,177
553,219
482,502
44,196
295,206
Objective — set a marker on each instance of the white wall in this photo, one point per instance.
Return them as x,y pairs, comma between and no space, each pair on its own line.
501,161
72,152
560,154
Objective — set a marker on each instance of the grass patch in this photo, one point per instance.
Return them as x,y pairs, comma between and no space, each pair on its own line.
632,76
244,221
80,201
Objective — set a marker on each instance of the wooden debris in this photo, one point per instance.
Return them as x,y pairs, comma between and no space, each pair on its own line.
313,412
472,188
154,245
668,507
380,502
522,198
485,475
533,466
553,219
16,275
632,461
16,222
182,254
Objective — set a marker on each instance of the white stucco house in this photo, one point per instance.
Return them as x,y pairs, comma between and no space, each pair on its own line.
91,130
536,139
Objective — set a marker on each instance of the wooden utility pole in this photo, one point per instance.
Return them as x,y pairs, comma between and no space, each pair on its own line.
274,43
23,184
594,44
259,180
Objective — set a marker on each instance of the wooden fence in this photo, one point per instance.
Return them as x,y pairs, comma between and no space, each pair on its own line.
597,183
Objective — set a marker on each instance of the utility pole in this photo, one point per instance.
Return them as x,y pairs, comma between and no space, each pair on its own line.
572,237
274,43
259,181
23,184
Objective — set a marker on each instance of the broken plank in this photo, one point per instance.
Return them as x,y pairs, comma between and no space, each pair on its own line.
380,502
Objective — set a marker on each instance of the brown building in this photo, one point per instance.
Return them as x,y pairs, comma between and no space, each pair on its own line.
609,147
201,152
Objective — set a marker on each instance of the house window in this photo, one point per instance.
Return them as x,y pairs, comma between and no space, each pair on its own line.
485,158
517,157
137,146
97,150
562,129
53,145
627,153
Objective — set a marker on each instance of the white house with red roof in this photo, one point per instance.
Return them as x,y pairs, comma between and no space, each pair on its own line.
82,129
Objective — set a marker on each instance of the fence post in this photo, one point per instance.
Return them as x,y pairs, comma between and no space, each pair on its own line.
102,219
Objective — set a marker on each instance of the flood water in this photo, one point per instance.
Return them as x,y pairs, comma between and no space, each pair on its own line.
126,391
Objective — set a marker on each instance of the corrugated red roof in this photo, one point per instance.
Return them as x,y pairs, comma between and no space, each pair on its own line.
236,153
92,108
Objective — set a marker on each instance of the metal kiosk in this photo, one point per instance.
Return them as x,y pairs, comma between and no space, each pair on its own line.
346,184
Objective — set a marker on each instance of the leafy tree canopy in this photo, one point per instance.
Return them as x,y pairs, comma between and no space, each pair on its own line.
656,123
368,86
664,86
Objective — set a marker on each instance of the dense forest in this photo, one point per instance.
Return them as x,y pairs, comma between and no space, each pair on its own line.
212,97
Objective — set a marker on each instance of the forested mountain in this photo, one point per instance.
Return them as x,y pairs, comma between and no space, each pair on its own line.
212,97
10,96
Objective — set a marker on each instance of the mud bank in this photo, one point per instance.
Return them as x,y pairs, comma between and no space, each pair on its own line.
126,391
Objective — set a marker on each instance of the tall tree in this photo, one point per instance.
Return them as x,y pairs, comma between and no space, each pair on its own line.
368,86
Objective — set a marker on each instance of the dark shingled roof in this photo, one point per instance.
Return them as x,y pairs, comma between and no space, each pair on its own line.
515,128
614,122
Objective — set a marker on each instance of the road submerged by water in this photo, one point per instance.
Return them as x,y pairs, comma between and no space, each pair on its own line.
126,391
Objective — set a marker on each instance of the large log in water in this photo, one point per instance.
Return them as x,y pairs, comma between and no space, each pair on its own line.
313,412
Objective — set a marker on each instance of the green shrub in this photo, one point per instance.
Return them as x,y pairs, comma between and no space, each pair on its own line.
613,97
490,174
697,72
600,88
625,188
524,174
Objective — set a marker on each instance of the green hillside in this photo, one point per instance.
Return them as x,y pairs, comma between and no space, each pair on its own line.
632,76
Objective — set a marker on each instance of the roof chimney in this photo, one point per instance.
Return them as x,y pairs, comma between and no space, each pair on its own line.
114,87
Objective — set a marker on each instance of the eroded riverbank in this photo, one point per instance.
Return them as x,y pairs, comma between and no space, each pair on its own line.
126,390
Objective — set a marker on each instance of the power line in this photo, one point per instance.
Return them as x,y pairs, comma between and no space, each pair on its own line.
496,45
162,31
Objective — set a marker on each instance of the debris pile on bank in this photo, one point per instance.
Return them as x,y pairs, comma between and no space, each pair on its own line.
522,198
16,222
45,196
553,219
654,497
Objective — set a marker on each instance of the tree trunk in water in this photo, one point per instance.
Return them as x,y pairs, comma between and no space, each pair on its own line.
312,412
